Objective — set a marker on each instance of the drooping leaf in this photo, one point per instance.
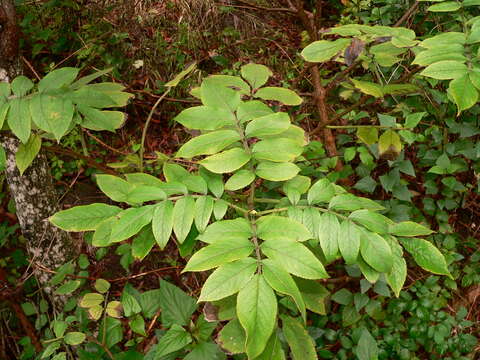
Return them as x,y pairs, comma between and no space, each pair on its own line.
74,338
446,6
228,279
226,161
183,213
142,193
301,344
91,299
84,217
389,144
162,222
21,85
143,243
252,109
232,337
314,294
273,350
367,348
369,135
371,220
99,120
426,255
257,313
114,187
219,253
274,227
52,114
321,191
368,88
181,75
205,351
26,153
295,258
174,339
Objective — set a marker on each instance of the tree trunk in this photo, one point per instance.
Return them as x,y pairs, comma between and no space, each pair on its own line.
33,192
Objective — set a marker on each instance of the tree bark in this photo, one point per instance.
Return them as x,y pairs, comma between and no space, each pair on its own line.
33,192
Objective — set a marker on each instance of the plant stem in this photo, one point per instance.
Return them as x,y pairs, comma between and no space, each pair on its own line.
145,128
365,126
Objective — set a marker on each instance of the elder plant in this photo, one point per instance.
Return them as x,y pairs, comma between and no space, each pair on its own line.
264,254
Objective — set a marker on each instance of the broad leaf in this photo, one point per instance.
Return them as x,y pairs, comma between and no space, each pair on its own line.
295,258
376,252
276,171
274,227
463,93
238,228
52,114
252,109
280,280
208,144
389,143
205,351
21,85
26,153
203,212
177,307
114,187
131,222
444,70
268,125
256,74
328,234
371,220
324,50
162,223
321,191
219,253
19,118
369,134
74,338
232,337
205,118
367,348
257,312
219,97
277,150
183,213
285,96
300,342
84,217
314,295
273,350
143,193
239,180
349,241
228,279
143,243
426,255
409,229
58,78
227,161
174,339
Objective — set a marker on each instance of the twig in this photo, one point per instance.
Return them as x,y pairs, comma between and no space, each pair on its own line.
145,128
30,67
125,278
103,144
407,14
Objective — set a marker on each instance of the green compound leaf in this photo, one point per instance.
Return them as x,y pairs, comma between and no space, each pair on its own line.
277,150
208,144
183,213
277,171
274,227
268,125
228,279
26,153
219,253
256,74
130,222
372,221
295,258
84,217
285,96
300,342
426,255
321,191
217,96
21,85
162,223
324,50
257,313
114,187
19,118
252,109
328,233
227,161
